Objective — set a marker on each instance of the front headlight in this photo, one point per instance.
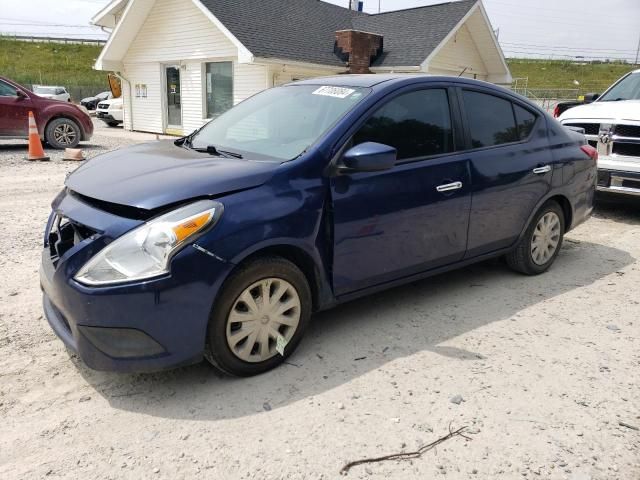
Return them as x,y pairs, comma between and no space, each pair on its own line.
146,251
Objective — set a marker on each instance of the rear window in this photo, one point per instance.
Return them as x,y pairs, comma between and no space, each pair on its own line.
491,120
525,120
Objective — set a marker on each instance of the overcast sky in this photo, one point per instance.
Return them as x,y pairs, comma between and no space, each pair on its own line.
564,29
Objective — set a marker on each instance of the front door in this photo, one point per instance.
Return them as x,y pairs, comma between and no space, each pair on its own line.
14,112
174,104
409,219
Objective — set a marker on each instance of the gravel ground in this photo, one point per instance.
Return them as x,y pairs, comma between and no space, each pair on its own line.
543,371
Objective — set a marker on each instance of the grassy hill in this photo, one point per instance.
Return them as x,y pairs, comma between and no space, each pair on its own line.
71,65
561,74
51,64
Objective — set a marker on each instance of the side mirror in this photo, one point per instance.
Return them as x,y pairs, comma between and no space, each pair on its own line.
369,157
591,97
21,95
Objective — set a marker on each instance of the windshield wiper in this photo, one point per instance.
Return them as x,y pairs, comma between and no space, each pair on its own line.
215,151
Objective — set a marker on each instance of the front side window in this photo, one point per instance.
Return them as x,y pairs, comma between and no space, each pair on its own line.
279,123
626,89
491,120
219,88
7,90
417,124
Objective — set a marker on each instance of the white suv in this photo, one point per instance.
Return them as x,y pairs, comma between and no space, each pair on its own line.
54,93
612,125
110,111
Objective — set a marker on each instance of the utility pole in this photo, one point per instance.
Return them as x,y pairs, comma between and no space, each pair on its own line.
380,7
638,51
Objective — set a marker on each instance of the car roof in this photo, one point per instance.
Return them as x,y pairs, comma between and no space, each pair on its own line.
372,80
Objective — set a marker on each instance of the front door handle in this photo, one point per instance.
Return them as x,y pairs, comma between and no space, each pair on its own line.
448,187
541,170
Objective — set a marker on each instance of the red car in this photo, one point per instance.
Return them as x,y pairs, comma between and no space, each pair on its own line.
60,124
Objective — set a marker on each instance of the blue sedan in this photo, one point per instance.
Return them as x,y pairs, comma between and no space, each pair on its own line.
223,243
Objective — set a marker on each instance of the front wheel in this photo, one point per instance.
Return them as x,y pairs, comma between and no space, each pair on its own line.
264,306
63,133
541,243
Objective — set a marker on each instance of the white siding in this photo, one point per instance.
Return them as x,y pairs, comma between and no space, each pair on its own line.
248,79
192,96
458,53
286,74
147,112
177,30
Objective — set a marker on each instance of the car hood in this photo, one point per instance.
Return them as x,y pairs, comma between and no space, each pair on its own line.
615,111
152,175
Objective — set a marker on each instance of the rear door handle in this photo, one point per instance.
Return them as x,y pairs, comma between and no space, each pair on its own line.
448,187
541,170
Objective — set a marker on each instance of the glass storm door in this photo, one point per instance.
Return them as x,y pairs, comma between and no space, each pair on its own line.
174,106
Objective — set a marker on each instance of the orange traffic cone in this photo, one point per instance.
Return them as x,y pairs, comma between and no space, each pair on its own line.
36,152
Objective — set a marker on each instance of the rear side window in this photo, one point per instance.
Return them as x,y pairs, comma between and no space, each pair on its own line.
490,118
417,124
7,90
525,120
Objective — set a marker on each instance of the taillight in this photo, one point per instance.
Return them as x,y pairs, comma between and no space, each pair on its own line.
590,151
556,111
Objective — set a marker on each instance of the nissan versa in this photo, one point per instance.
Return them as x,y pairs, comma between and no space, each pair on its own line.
221,244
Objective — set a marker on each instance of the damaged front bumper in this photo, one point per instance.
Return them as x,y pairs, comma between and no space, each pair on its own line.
135,327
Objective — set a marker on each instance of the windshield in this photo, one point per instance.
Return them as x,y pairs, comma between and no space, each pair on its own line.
279,123
45,90
626,89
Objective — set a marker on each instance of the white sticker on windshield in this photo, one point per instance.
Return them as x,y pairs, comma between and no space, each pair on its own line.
337,92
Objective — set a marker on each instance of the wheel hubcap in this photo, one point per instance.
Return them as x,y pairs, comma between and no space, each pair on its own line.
64,134
264,311
546,237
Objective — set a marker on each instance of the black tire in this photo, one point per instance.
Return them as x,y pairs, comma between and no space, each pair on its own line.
217,350
56,128
113,124
520,258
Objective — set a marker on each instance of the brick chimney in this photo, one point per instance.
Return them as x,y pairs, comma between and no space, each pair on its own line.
358,49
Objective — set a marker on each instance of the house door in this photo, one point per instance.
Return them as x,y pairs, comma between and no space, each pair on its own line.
174,104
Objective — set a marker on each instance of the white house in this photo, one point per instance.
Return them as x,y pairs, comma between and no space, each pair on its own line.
183,62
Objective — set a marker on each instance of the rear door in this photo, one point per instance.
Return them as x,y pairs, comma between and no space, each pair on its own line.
511,167
414,217
14,112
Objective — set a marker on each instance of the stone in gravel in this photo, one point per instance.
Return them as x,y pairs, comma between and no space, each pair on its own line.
266,406
457,399
613,328
395,420
341,406
156,470
86,398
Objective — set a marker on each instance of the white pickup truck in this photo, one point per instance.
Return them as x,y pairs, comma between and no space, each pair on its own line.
612,125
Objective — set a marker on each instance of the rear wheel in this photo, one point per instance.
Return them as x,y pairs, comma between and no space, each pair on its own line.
113,124
63,133
265,302
539,247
